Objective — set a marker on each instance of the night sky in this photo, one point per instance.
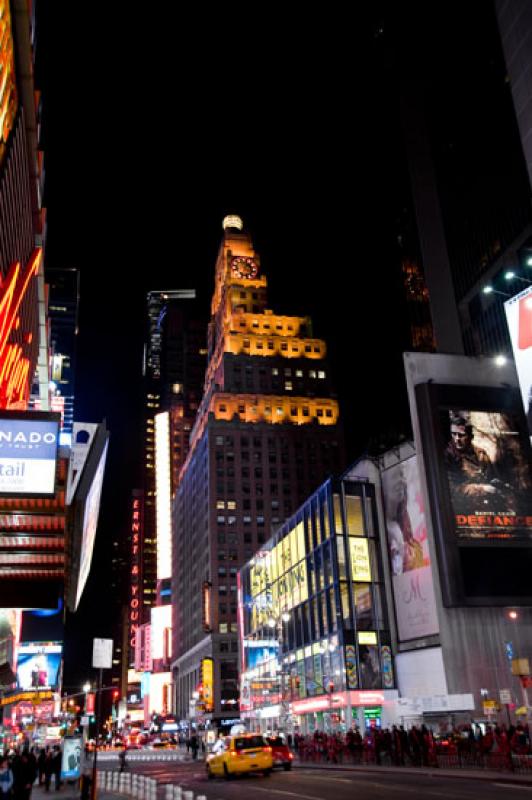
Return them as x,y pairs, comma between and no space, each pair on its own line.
157,126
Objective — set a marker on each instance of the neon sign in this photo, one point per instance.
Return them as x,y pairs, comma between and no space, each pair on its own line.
135,597
14,366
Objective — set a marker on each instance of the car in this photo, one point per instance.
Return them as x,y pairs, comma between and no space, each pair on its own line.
282,755
236,755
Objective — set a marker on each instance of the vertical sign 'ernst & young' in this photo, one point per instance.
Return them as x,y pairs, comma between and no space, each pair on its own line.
28,453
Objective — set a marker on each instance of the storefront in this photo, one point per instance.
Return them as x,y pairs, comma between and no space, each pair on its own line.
315,645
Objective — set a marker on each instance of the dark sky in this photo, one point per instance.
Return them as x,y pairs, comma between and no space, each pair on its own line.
157,124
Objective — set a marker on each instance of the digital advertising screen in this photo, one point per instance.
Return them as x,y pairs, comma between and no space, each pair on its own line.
28,453
477,458
39,666
258,652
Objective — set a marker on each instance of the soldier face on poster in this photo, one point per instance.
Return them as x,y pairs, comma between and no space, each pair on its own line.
488,474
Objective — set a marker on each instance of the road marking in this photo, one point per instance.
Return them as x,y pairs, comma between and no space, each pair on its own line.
514,786
290,794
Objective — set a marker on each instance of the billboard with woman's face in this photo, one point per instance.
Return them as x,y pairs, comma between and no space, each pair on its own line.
410,564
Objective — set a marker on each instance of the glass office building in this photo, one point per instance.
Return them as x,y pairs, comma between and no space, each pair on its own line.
315,646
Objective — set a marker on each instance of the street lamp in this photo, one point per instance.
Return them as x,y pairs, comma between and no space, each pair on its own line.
490,290
511,276
86,688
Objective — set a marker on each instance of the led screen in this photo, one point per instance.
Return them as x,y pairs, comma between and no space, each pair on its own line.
28,454
38,666
487,473
476,453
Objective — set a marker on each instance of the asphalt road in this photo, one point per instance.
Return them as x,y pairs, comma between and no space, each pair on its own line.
311,784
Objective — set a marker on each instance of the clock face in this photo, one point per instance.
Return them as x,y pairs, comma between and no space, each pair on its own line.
244,267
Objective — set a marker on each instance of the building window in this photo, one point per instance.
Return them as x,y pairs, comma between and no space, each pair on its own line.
231,504
223,627
275,371
220,504
321,373
312,373
288,386
299,373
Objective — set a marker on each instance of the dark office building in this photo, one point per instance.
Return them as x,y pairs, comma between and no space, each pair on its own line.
174,368
63,303
266,434
468,200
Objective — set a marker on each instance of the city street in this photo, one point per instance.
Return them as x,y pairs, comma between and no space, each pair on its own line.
312,784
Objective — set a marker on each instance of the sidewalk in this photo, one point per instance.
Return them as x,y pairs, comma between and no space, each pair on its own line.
470,774
66,792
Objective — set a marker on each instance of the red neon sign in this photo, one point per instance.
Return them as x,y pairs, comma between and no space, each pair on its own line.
14,366
135,596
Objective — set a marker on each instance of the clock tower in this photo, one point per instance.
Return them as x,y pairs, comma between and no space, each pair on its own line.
267,433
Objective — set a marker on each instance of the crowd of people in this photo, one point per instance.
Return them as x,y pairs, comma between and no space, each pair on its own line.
417,746
20,769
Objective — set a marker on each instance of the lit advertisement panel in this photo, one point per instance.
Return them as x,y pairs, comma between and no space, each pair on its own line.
410,566
39,666
28,453
478,461
519,319
259,651
90,523
161,627
83,517
163,485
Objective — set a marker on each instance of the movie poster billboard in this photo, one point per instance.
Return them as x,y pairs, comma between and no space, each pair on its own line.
488,474
519,319
38,666
406,531
477,458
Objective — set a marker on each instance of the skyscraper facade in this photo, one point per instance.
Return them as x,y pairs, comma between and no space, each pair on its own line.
63,306
267,432
174,366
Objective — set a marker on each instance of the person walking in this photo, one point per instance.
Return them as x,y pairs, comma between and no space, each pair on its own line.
41,761
6,779
194,746
24,773
56,766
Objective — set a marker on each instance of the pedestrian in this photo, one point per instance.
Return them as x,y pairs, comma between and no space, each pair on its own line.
41,761
56,766
194,746
48,770
24,773
6,779
123,759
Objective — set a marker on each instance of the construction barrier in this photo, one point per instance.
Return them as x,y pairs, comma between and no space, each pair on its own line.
141,787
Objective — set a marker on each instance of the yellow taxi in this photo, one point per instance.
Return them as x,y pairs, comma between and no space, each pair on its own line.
234,755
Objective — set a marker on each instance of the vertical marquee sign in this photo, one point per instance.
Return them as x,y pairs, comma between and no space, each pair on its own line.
135,599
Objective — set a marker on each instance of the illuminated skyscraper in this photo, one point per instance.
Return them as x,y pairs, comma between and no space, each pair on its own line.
174,367
266,435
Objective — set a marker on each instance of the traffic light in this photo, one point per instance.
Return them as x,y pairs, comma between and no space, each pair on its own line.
116,695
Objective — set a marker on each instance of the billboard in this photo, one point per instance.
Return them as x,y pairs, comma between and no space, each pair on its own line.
83,515
478,462
408,551
39,666
71,759
28,453
519,318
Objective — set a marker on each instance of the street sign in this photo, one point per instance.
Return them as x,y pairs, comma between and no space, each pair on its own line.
490,706
85,719
505,696
102,653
